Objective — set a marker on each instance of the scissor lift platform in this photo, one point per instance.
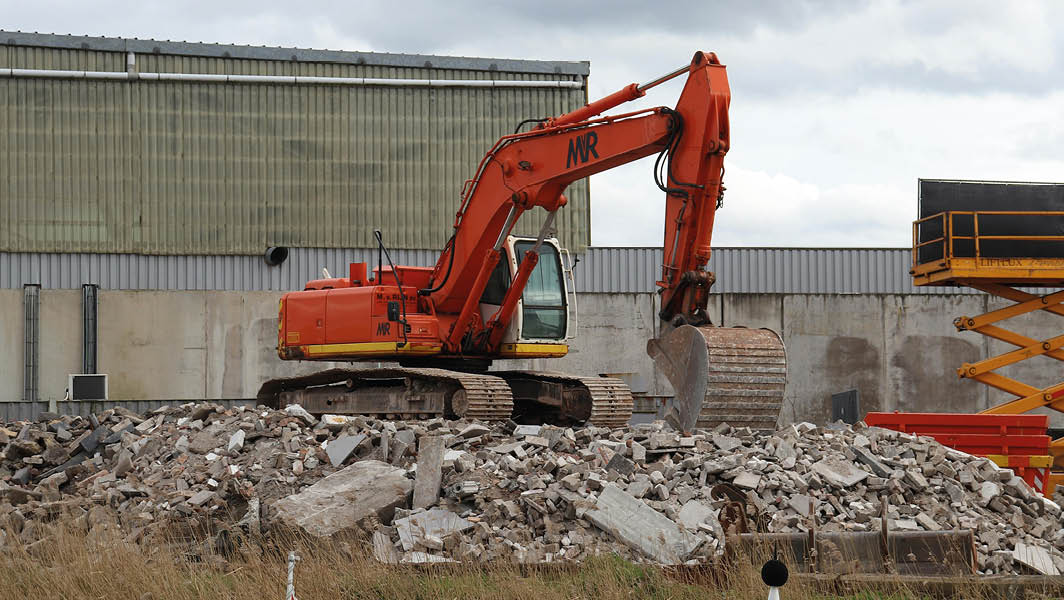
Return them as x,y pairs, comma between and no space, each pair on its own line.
970,249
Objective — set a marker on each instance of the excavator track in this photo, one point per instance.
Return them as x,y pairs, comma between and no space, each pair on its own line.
611,401
412,393
394,393
599,401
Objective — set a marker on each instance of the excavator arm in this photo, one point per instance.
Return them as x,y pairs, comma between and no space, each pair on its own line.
528,170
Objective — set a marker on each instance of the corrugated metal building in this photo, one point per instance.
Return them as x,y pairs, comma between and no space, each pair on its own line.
111,145
599,270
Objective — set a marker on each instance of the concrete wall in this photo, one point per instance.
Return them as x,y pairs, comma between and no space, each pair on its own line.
11,338
900,351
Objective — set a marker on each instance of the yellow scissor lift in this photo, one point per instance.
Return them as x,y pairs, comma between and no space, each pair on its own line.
999,276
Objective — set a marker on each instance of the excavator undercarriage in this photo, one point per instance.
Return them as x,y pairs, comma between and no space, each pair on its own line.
405,393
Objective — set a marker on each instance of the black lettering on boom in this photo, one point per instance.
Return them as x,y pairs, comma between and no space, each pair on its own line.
581,148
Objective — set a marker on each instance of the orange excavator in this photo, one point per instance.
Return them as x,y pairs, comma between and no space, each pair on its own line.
493,295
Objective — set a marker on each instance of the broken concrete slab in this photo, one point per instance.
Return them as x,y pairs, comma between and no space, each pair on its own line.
429,471
748,480
436,522
473,430
1036,558
866,458
726,443
342,447
527,430
694,513
383,549
346,498
641,527
839,472
621,465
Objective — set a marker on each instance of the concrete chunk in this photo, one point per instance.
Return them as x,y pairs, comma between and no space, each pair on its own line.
236,441
726,443
383,550
694,513
621,465
840,473
527,430
473,430
748,480
341,448
641,527
866,458
295,410
429,471
200,498
345,498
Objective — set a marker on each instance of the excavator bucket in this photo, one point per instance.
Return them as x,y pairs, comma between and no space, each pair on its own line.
731,375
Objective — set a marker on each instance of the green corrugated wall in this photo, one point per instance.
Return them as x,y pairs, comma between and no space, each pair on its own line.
218,168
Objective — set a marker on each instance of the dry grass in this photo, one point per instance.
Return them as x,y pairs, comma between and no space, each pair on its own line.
72,565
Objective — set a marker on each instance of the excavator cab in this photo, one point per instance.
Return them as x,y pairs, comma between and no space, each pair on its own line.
546,311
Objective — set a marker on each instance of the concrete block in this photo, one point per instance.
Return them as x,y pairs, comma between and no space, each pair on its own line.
641,527
429,471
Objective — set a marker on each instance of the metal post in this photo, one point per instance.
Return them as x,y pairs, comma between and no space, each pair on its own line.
89,298
290,589
31,310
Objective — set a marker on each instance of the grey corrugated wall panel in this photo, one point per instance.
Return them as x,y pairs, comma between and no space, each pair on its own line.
80,44
216,168
763,270
598,270
152,272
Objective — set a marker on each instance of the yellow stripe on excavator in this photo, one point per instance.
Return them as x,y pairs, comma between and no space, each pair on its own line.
533,350
371,349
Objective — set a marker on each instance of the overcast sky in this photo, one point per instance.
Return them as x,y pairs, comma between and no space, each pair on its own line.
837,107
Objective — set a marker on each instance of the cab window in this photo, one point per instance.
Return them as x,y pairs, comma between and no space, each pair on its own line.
543,306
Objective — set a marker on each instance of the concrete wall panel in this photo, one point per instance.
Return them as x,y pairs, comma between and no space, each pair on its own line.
61,341
753,310
11,319
925,349
153,345
834,343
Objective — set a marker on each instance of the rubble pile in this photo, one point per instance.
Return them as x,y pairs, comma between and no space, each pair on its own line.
437,490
